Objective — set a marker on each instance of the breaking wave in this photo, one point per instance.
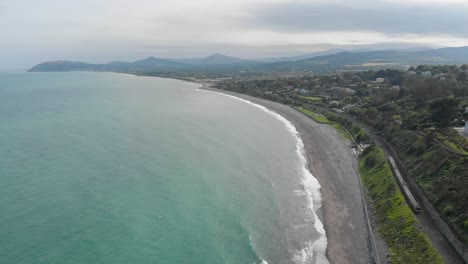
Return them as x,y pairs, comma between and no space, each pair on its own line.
312,251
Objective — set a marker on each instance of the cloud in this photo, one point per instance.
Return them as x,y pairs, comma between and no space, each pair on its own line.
384,17
120,29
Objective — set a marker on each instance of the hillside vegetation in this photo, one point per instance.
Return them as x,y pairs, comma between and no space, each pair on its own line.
397,224
415,110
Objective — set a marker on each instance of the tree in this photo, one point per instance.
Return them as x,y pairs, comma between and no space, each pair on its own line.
462,76
444,110
428,88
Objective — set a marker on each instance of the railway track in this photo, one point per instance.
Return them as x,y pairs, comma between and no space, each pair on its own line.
439,241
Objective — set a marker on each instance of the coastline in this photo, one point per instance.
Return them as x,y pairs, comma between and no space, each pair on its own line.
313,251
334,165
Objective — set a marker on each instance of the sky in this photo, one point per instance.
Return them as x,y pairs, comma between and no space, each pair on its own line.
33,31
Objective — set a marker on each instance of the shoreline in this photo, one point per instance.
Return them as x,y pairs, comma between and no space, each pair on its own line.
311,187
334,165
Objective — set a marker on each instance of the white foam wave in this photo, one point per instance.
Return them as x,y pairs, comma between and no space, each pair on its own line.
313,251
262,260
300,192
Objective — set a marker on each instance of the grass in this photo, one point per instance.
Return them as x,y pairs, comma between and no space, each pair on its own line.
319,118
397,224
453,140
441,175
342,131
312,98
355,131
452,145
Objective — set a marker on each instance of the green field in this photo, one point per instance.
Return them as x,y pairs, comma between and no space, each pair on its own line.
319,118
312,98
315,116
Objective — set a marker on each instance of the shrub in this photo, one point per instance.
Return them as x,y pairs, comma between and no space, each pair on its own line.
370,161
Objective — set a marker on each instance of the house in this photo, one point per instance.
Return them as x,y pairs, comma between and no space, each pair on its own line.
426,74
348,106
380,80
462,130
304,91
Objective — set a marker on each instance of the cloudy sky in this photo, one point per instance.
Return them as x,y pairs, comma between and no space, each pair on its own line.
32,31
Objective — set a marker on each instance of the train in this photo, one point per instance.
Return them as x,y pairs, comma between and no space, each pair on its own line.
406,192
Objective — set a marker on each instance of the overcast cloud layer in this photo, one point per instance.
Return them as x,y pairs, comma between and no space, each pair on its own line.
103,30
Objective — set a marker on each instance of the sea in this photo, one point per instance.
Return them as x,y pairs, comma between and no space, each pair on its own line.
117,168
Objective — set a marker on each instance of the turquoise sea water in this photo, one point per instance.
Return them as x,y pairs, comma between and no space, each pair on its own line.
113,168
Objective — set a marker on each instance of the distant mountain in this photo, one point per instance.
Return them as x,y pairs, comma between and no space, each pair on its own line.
216,59
455,54
415,49
148,64
319,62
152,63
373,59
332,52
63,66
303,56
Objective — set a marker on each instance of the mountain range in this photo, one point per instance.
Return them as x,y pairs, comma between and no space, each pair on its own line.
329,60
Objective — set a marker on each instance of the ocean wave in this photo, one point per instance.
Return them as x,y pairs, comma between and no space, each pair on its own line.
262,261
312,251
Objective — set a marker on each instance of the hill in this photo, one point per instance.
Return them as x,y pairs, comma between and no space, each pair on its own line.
148,64
357,60
52,66
219,59
380,59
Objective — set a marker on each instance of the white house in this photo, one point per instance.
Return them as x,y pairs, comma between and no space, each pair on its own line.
462,130
426,74
304,91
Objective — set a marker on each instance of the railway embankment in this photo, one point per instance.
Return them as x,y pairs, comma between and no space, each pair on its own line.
397,223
